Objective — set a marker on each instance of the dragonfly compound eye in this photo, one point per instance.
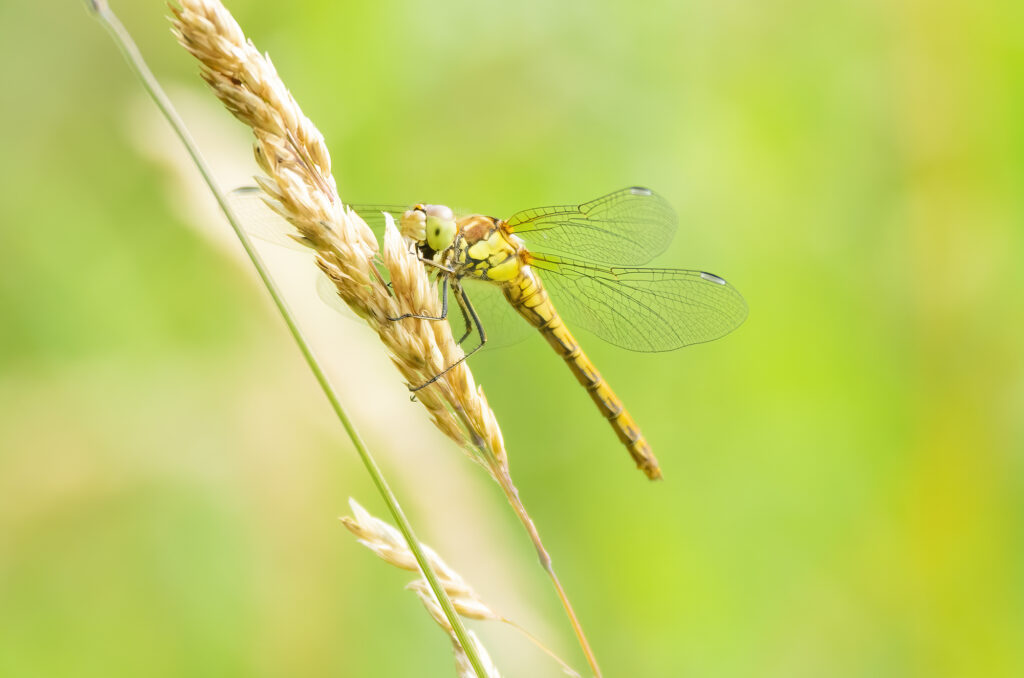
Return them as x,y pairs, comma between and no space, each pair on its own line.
440,226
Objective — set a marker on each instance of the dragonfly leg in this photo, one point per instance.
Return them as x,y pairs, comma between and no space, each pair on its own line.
431,262
467,314
444,307
467,307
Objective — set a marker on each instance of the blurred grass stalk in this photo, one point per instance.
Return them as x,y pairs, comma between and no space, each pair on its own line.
124,41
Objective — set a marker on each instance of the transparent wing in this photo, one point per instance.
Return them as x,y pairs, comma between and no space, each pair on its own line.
373,215
631,226
642,309
328,294
261,221
502,323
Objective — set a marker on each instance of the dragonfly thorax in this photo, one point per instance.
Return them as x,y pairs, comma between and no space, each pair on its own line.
485,249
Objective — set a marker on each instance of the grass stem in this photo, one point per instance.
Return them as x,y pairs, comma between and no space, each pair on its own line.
512,495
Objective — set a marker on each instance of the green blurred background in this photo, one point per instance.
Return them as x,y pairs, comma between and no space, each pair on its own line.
843,492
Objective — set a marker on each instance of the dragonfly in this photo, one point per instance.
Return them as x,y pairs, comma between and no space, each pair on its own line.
581,263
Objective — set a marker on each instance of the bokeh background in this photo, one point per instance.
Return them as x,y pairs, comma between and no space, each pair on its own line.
843,492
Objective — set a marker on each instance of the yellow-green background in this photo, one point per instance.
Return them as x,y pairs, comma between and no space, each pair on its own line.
843,492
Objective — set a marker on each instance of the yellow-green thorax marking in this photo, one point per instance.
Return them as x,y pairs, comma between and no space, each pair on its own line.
485,248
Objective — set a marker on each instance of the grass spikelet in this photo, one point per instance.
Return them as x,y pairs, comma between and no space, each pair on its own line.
462,666
462,663
389,544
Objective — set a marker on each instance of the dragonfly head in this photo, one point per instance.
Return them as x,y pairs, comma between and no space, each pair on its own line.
430,224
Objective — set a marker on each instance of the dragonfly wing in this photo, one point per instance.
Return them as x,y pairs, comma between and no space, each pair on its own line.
502,323
262,221
643,309
328,294
631,226
373,215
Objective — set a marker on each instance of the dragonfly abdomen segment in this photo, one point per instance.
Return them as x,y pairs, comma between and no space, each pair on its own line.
528,296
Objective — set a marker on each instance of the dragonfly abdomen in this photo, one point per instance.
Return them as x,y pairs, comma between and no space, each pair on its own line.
527,294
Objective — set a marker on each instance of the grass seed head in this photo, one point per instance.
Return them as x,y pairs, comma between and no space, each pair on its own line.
291,152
